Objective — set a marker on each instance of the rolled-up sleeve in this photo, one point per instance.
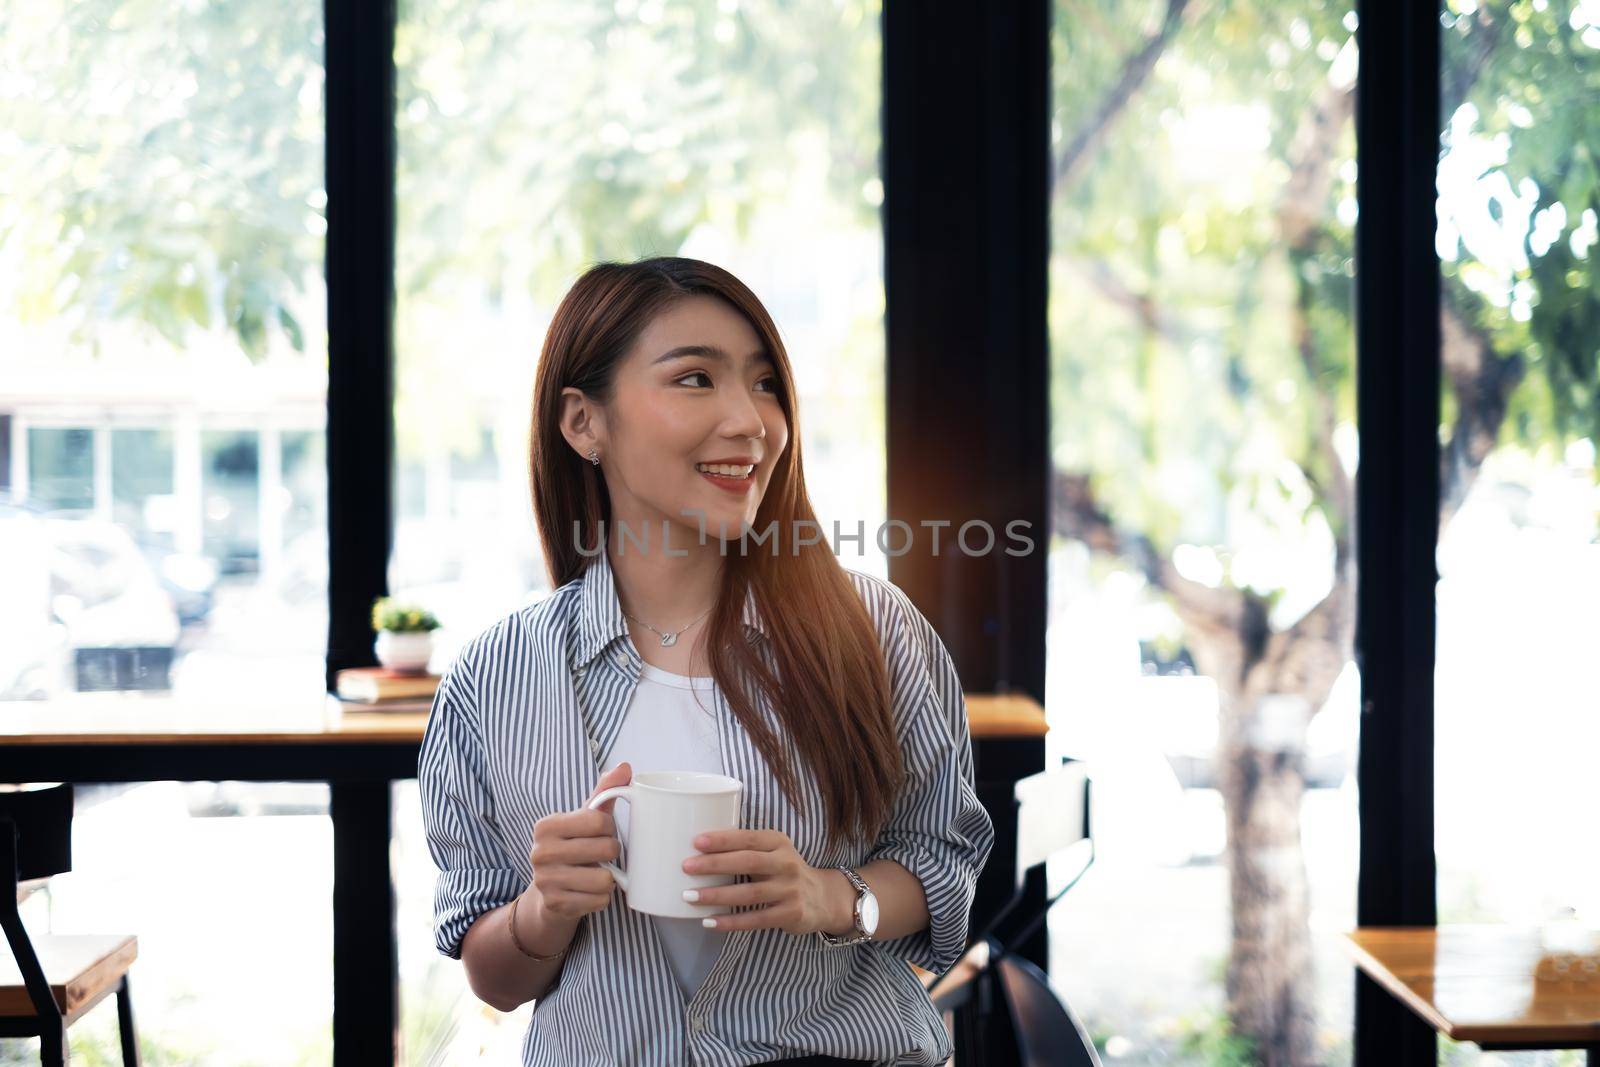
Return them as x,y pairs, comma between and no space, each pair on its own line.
937,829
475,873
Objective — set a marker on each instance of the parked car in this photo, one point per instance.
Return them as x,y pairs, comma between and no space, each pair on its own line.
189,579
91,612
34,658
121,623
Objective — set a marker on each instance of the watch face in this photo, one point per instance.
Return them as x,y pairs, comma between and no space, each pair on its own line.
869,913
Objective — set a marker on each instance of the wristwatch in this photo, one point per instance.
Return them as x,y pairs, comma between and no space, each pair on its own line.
866,914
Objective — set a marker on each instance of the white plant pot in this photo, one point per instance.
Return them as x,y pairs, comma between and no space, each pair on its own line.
405,651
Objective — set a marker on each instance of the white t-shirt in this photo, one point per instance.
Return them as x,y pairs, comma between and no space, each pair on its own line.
671,725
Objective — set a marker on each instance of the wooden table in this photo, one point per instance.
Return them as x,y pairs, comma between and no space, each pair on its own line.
1477,983
154,737
102,719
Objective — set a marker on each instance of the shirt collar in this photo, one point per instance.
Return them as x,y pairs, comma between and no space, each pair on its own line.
600,611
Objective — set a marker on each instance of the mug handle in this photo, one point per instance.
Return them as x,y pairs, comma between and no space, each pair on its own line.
620,792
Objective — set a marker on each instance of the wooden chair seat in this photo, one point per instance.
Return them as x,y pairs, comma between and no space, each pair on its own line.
78,970
81,969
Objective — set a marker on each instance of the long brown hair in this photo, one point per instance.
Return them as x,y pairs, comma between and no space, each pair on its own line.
831,689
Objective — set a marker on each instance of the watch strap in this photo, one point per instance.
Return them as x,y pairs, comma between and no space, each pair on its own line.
856,935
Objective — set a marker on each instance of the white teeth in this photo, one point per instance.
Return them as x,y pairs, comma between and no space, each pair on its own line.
724,469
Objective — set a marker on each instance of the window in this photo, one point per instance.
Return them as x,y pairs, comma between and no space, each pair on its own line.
1203,442
161,336
163,379
1519,544
537,139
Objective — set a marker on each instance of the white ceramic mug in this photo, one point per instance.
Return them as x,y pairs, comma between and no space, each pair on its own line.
667,811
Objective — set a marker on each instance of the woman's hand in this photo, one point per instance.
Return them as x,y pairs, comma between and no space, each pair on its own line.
797,897
568,882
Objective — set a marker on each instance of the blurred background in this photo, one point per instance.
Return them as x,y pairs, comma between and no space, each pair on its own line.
163,488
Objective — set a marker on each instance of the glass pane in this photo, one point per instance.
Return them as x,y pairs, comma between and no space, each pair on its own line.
1519,563
441,1020
162,330
226,886
538,138
6,476
746,135
61,467
1199,643
161,333
231,482
142,483
302,503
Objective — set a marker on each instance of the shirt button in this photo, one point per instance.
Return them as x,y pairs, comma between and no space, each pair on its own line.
594,747
621,658
696,1023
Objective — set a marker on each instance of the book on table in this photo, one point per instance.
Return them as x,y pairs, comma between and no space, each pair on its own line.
339,706
377,685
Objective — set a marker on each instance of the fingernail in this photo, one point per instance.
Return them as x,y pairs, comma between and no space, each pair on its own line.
691,895
709,922
702,841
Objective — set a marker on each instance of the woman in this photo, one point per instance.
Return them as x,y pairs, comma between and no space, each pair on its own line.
697,622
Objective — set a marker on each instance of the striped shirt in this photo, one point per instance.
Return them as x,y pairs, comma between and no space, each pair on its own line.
522,722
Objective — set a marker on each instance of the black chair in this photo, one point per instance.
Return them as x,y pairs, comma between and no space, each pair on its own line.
1007,1011
52,980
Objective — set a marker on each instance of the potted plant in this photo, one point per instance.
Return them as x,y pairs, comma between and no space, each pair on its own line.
405,634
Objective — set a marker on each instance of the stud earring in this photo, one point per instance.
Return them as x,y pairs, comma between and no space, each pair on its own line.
594,457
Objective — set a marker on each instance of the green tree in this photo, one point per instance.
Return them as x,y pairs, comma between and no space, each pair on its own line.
1204,362
164,162
163,168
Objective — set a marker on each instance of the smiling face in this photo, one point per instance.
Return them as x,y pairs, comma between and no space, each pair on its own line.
695,388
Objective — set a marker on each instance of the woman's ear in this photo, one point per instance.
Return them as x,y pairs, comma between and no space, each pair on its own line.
579,421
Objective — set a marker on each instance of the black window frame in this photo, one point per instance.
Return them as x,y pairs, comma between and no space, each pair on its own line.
966,104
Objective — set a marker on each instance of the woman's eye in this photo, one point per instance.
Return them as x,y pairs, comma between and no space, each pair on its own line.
770,382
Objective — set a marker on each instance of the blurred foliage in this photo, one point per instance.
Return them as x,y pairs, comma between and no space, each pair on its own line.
1176,380
95,1042
429,1016
1206,1037
162,164
170,158
537,137
1534,102
1466,1054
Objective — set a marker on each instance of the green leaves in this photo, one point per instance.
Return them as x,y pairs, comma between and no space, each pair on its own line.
1202,262
398,617
167,159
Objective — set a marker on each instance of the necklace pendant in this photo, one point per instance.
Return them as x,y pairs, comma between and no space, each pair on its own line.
669,639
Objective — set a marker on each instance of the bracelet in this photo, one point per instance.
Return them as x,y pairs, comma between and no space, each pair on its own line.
515,940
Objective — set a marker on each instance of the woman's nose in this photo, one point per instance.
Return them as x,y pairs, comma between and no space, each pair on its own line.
744,419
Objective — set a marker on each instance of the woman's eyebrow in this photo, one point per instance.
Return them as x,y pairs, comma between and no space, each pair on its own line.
709,352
